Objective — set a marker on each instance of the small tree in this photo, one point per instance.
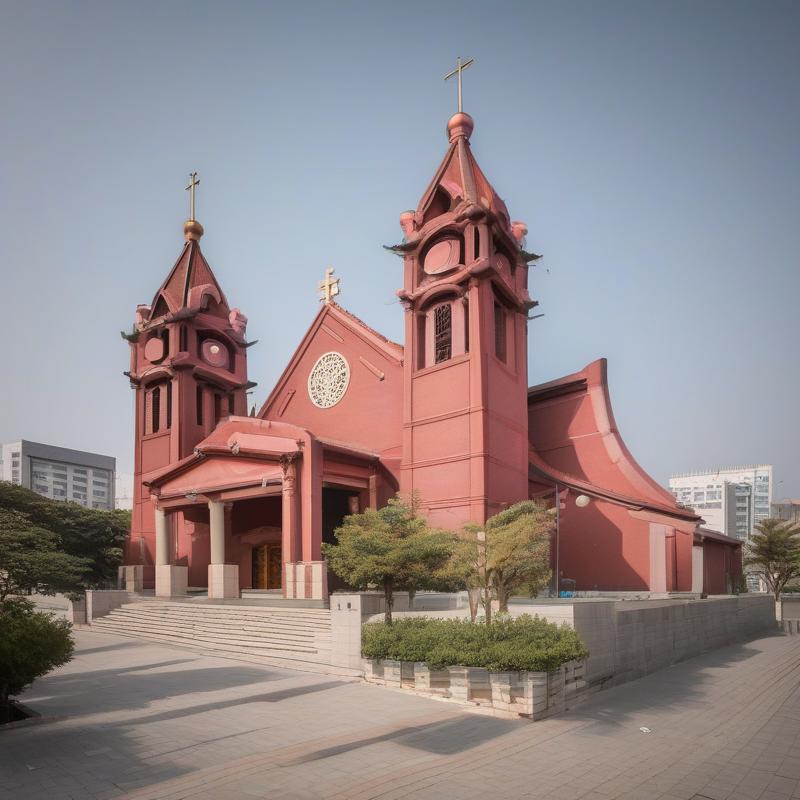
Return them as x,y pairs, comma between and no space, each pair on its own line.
510,553
518,549
774,553
30,559
31,644
392,548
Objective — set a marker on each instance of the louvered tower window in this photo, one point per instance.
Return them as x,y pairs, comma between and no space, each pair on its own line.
442,333
155,413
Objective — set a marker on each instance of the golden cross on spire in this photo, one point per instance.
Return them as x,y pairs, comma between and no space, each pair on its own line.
457,71
193,181
329,287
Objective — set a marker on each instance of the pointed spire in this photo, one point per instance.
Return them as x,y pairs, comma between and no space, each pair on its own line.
191,283
459,181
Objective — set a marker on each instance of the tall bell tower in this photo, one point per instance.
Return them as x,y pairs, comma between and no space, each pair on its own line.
465,444
188,371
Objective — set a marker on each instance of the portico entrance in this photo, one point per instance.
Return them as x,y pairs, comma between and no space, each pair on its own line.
266,571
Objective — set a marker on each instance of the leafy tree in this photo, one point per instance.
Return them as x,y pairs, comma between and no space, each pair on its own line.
94,535
774,553
30,559
392,548
511,553
31,644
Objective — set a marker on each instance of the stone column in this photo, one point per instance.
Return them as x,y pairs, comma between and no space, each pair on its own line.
162,538
223,579
170,580
216,518
289,525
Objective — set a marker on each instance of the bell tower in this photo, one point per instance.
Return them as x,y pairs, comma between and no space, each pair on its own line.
465,446
188,370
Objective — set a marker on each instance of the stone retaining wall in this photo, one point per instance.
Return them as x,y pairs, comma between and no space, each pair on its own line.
532,695
626,638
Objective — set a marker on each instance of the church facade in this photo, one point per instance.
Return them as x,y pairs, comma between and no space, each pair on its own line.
234,501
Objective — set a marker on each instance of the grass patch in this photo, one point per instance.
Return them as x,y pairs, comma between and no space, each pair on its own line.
524,643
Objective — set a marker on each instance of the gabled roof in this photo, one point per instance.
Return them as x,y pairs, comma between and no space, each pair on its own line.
392,350
574,441
188,281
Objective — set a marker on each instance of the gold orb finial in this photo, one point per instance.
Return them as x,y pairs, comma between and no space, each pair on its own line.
192,230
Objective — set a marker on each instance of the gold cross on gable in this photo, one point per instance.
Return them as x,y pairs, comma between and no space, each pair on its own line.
329,287
193,181
457,71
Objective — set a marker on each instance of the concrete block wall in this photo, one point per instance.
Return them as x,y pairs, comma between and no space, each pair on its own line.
100,602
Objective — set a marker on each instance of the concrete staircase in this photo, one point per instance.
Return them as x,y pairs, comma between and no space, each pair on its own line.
295,638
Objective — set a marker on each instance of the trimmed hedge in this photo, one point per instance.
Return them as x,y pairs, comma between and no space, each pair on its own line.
524,643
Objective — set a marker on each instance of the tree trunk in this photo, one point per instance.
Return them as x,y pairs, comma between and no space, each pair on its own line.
502,599
474,597
388,595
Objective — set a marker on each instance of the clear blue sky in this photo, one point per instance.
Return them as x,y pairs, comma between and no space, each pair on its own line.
652,148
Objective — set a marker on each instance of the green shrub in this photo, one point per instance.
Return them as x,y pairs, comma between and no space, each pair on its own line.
525,643
31,644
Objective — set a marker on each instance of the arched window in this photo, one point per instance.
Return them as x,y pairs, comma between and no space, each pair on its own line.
476,244
499,331
442,333
155,409
184,343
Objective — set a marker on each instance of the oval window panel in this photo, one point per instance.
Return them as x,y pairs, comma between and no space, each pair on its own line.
442,256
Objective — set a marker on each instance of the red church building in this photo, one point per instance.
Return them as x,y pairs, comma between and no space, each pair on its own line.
232,502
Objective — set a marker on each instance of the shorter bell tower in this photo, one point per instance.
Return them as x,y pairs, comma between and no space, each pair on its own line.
188,370
465,447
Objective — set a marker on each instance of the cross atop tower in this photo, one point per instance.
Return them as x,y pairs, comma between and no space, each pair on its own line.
329,287
193,181
460,67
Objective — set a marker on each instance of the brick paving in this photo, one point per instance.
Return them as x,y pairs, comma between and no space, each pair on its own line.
129,719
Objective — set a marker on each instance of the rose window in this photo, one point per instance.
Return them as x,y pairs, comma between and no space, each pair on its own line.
328,380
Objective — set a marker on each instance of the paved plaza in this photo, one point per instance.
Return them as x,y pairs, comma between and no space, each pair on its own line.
138,720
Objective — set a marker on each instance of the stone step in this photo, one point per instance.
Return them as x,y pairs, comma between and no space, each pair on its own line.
294,638
231,642
192,607
309,645
278,619
274,658
223,623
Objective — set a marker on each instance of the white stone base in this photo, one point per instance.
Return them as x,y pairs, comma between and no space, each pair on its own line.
223,580
131,578
171,581
306,580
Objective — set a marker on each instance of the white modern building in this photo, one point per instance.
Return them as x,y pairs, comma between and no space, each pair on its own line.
60,473
730,500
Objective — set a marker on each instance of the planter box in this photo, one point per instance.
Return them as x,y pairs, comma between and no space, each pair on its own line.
373,670
506,691
534,695
458,689
391,672
430,681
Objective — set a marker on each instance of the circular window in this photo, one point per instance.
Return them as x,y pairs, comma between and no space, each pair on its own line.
215,353
328,380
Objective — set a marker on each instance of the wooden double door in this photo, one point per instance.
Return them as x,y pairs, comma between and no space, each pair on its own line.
267,566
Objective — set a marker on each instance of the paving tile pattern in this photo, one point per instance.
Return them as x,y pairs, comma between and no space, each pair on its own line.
129,719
